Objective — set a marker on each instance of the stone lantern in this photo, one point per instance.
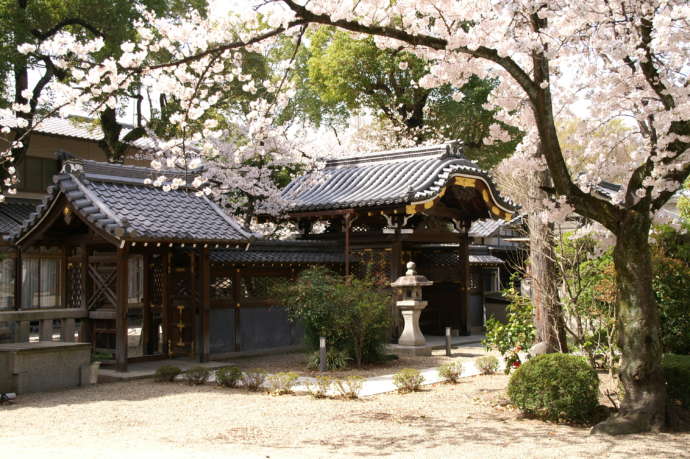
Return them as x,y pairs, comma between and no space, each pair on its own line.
409,288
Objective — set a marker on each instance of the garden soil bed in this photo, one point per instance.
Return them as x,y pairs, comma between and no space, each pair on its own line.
297,362
146,419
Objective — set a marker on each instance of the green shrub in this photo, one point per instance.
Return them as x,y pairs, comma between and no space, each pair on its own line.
282,383
228,376
349,387
487,364
450,371
321,387
516,334
408,380
556,387
677,373
352,314
197,375
254,379
166,373
335,360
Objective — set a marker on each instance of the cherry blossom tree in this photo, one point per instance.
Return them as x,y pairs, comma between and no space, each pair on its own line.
627,60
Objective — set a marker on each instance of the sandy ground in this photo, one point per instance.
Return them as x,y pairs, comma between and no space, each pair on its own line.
297,362
145,419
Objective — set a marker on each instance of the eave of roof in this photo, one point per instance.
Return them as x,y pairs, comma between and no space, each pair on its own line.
383,179
116,201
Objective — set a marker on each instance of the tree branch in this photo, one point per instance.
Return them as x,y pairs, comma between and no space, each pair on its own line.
65,23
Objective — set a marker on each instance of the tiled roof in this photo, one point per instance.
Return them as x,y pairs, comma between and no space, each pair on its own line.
281,252
485,227
78,128
385,178
479,254
13,211
116,200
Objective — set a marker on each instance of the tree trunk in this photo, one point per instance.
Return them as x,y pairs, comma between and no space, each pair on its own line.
548,317
644,405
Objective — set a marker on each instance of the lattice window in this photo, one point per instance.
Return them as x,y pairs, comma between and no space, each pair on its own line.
221,287
182,287
156,281
376,263
74,285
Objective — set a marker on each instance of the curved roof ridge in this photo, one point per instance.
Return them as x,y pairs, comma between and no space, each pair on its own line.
453,148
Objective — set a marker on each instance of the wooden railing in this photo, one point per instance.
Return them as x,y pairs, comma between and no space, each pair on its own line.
15,325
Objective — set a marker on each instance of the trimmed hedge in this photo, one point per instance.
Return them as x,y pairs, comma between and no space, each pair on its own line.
556,387
677,372
229,376
166,373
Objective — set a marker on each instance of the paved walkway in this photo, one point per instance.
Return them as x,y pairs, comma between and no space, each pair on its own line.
141,370
382,384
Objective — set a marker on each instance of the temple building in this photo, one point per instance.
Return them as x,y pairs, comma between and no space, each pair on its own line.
418,204
141,273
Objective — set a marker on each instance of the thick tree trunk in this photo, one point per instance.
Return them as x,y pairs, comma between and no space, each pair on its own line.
548,314
644,405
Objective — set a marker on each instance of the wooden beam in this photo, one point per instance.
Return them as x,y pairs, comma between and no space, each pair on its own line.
121,310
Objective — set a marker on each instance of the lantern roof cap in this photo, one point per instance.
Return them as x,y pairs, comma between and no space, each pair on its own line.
411,278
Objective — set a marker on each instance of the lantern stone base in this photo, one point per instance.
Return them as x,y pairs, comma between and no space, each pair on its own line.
409,351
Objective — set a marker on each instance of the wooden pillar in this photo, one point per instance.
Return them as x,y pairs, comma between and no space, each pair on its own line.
147,316
121,330
205,286
45,330
85,329
68,330
237,293
18,279
24,332
165,300
464,258
347,244
64,277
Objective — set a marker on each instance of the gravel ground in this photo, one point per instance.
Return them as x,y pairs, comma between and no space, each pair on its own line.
145,419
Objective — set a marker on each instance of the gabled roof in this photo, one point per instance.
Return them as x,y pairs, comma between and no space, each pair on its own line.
116,201
386,178
13,212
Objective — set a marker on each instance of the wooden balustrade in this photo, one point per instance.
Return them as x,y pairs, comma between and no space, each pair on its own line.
53,324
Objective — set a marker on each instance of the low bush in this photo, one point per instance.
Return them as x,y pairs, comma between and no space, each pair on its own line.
197,375
254,379
282,383
487,364
335,360
349,387
228,376
450,372
556,387
677,373
321,387
166,373
408,380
